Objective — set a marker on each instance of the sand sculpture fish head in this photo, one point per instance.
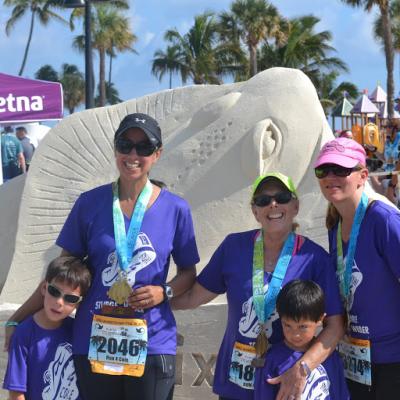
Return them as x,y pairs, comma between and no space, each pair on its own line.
217,140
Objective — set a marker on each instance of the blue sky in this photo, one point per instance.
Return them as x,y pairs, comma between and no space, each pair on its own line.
351,29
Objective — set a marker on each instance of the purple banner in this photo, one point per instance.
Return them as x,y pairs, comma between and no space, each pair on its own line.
29,100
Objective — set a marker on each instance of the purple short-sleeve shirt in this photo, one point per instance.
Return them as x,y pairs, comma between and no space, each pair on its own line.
167,230
230,271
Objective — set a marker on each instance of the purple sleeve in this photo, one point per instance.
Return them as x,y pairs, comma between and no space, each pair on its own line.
184,250
212,277
73,234
388,237
16,378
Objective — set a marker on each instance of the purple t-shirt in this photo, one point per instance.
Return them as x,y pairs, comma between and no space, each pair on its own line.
326,382
375,286
167,229
230,271
40,362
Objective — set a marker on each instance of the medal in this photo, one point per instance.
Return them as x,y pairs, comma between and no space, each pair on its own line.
120,290
261,343
261,347
258,362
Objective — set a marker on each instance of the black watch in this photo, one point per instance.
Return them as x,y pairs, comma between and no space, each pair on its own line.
168,292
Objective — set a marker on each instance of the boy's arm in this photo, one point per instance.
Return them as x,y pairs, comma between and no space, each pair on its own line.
16,395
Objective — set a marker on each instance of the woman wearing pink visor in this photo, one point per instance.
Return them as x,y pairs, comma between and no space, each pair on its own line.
364,241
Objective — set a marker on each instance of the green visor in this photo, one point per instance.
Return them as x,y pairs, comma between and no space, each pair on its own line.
285,180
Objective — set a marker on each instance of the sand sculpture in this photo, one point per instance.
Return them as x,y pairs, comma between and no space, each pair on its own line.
217,139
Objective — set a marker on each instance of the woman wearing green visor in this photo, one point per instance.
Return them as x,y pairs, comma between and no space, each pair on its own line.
251,267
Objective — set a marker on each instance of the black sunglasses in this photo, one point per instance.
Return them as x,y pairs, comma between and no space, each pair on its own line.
323,170
264,200
143,149
54,291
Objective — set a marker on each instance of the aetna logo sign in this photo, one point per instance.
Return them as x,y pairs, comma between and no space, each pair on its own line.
20,103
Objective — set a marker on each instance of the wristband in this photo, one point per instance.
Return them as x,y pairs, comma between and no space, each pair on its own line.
305,368
392,185
11,323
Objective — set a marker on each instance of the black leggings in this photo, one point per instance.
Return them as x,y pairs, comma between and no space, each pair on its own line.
385,384
157,382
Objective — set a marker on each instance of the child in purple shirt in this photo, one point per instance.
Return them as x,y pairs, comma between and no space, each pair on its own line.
40,363
300,305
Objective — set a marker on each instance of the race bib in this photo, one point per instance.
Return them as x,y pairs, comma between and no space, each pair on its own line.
356,355
118,346
241,372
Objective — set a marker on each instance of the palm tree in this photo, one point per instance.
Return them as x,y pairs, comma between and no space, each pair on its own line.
384,10
121,41
304,49
112,95
331,94
196,50
395,26
39,9
73,82
47,73
251,21
110,32
199,54
171,61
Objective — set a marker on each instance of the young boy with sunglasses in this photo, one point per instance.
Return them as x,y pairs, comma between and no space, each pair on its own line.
40,363
301,308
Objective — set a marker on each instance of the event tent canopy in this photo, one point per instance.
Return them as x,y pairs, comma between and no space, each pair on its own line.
29,100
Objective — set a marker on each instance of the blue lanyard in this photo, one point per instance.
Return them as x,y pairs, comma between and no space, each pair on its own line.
344,271
265,305
125,243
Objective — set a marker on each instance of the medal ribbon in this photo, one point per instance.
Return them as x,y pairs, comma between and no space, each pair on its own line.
344,270
125,242
265,305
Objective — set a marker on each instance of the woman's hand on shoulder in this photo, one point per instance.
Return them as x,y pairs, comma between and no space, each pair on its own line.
146,297
292,383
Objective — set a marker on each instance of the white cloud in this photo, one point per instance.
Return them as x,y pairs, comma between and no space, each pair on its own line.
147,38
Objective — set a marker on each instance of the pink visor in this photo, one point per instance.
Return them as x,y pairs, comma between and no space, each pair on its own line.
341,151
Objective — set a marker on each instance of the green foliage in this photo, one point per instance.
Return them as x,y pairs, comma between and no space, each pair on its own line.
72,80
111,33
47,73
198,54
42,10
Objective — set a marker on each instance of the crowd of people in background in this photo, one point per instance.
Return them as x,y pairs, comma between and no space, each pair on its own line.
384,168
16,152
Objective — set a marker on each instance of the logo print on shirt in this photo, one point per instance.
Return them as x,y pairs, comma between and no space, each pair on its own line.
248,324
60,377
317,385
356,279
143,255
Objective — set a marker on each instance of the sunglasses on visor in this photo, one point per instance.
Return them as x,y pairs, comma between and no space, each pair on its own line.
54,291
324,170
264,200
125,146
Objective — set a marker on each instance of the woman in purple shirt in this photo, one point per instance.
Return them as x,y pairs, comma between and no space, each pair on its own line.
364,241
124,340
251,267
